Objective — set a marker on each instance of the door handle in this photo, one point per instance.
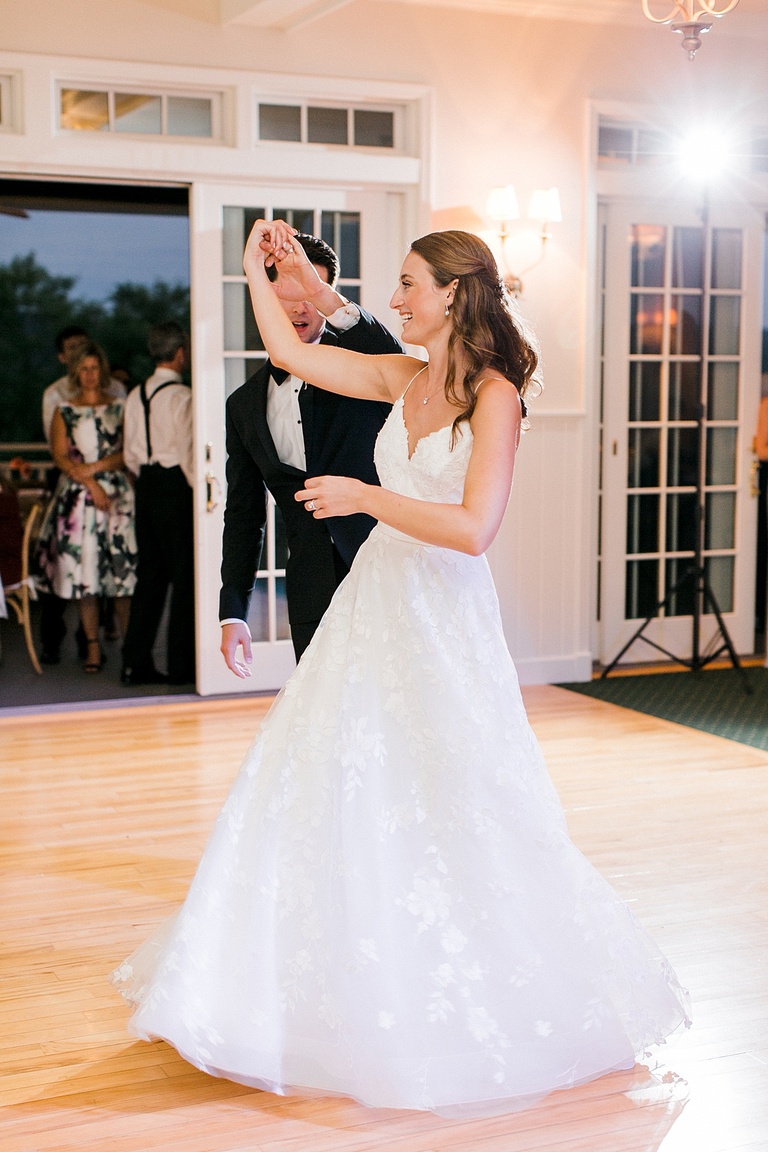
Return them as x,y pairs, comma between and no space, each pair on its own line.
212,491
754,477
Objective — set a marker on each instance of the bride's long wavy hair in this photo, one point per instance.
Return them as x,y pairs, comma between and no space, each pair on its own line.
487,326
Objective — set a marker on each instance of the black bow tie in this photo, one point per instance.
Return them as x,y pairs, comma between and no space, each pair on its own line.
279,375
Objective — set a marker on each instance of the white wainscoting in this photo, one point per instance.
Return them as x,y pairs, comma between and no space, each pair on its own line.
541,558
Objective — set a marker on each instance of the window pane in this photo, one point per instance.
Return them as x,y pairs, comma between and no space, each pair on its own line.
84,110
724,325
648,245
646,324
642,524
374,129
684,388
240,331
652,147
283,628
258,611
351,291
302,219
721,456
645,390
643,461
680,602
642,592
237,226
614,143
686,258
328,228
237,370
719,570
189,116
681,522
723,401
136,113
720,527
682,457
279,122
349,244
327,125
685,326
726,258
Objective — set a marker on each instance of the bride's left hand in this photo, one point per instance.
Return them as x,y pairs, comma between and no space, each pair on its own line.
326,496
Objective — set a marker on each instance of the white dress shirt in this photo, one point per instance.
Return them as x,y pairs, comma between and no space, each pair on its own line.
62,392
283,411
171,428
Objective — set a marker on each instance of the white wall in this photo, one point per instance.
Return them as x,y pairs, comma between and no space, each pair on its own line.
511,104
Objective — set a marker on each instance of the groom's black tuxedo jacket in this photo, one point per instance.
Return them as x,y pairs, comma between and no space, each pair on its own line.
339,435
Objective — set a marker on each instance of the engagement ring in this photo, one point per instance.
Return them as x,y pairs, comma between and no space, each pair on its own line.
310,505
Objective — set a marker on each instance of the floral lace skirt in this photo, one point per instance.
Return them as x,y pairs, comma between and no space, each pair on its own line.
389,907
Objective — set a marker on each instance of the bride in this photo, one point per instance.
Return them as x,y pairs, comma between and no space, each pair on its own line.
389,907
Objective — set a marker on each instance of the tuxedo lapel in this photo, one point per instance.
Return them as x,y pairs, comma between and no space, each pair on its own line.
260,418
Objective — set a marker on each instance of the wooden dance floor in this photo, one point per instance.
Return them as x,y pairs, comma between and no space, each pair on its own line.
105,813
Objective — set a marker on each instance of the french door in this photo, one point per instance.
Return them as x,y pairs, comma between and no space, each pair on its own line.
681,332
363,228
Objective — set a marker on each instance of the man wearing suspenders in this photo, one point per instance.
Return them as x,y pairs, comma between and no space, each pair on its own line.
158,450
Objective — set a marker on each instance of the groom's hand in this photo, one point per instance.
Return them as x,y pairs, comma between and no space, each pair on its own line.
234,636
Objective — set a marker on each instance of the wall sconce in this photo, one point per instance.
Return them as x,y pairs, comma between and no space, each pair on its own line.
502,207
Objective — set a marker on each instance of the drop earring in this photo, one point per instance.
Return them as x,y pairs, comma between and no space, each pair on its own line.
447,309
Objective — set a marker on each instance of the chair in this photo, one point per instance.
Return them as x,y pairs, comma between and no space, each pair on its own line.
17,587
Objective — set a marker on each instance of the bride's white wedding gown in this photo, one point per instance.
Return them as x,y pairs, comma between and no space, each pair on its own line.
389,906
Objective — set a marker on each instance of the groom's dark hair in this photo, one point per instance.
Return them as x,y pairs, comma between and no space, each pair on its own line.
318,253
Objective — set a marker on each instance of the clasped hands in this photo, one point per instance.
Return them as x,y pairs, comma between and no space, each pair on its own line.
271,243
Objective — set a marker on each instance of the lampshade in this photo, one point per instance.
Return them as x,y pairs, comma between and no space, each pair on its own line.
545,206
502,203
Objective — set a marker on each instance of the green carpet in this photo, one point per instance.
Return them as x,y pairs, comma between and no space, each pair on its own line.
713,701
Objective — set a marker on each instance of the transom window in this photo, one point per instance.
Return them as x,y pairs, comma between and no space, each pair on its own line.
7,103
141,113
324,124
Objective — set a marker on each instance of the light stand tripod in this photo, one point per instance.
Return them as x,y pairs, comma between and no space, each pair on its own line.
696,573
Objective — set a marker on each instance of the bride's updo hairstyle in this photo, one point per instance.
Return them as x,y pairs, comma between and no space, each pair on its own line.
488,330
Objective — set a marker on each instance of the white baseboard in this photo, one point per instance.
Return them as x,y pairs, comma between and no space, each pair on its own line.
573,668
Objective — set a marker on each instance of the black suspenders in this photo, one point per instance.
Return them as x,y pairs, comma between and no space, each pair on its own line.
146,401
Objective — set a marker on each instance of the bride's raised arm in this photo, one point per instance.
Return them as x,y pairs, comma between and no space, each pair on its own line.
334,369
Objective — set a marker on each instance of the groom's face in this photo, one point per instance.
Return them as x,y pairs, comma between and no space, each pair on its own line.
305,318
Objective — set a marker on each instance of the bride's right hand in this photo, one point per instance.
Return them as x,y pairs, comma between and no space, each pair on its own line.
268,242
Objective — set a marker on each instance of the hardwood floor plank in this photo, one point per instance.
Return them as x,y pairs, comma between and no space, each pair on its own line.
105,816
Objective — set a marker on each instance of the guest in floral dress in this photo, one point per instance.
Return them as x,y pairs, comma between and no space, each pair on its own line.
88,540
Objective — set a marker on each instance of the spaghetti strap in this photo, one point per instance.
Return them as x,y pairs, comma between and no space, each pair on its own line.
413,378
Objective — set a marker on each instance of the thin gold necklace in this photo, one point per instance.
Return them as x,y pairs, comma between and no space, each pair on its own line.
427,399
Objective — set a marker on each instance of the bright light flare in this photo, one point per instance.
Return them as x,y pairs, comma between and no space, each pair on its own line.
705,153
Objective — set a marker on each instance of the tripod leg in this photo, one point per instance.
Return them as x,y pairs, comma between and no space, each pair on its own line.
709,596
689,572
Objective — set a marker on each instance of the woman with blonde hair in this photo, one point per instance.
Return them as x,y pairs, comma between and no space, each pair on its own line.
87,544
389,907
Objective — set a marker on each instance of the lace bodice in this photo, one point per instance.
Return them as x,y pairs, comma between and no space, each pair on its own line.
434,472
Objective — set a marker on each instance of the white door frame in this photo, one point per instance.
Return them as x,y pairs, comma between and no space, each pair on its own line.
381,242
675,632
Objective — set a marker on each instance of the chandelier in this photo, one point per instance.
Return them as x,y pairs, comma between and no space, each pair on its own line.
691,19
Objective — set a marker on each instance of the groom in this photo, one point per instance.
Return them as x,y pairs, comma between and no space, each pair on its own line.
281,430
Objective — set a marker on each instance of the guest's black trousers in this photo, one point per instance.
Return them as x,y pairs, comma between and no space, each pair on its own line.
164,535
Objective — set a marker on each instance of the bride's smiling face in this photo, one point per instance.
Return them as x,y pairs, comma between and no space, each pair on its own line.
421,301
